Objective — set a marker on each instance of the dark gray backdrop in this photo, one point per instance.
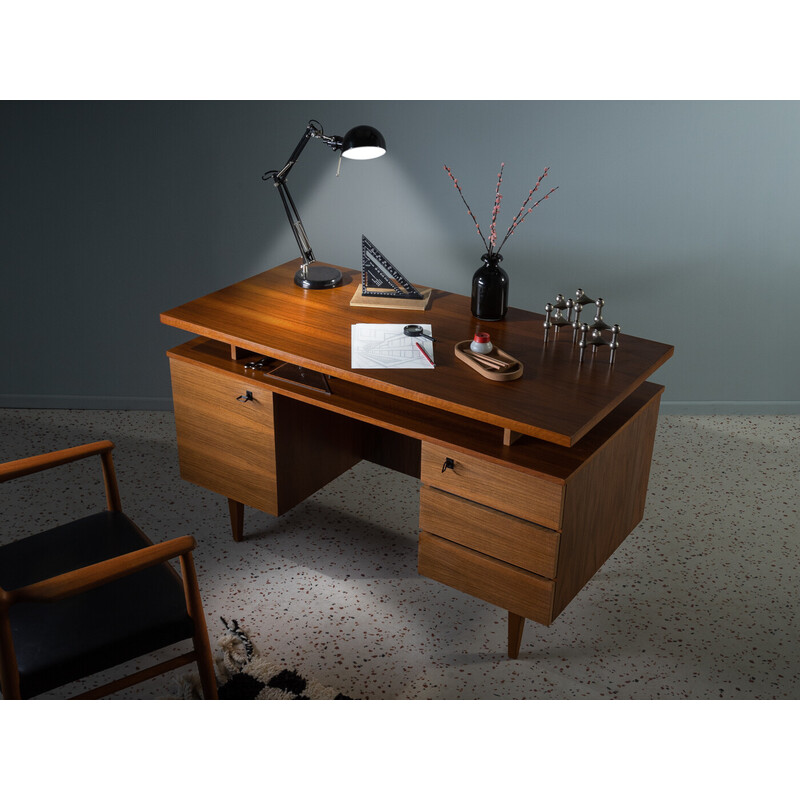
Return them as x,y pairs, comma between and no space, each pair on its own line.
683,216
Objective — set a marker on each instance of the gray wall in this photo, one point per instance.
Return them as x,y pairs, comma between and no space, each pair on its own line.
683,216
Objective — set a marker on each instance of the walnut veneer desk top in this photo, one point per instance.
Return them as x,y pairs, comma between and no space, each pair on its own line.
557,399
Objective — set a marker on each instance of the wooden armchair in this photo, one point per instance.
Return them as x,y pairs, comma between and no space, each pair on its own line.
92,594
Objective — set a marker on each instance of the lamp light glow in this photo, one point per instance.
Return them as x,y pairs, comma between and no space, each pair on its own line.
363,153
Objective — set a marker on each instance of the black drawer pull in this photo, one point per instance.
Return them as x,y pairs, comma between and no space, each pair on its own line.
245,397
448,464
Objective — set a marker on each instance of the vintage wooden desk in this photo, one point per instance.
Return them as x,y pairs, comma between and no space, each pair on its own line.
549,472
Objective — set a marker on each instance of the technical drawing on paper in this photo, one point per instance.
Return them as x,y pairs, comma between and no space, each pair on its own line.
387,347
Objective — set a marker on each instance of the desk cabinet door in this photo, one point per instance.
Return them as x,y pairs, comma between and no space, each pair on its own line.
224,444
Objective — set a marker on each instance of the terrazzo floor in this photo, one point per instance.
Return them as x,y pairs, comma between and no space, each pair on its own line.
699,602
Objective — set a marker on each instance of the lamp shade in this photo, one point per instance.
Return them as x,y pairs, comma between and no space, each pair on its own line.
363,142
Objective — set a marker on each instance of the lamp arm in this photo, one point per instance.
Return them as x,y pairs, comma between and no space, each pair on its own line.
295,153
294,221
330,276
311,132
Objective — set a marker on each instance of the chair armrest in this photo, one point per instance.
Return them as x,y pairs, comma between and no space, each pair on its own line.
27,466
85,578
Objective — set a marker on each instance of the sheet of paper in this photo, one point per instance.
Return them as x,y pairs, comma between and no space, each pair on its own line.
387,347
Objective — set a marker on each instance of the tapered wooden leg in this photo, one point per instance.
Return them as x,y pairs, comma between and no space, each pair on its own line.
516,625
237,519
9,675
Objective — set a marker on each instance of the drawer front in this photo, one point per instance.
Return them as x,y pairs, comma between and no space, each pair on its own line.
481,576
488,531
224,444
503,488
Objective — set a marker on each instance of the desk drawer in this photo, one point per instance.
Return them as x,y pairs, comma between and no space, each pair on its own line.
503,488
488,531
494,581
224,444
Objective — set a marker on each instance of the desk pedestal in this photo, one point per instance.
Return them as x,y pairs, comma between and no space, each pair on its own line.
522,526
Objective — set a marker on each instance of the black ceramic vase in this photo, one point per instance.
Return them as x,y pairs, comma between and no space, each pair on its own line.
490,289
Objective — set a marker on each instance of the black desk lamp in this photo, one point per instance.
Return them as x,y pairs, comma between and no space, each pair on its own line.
361,142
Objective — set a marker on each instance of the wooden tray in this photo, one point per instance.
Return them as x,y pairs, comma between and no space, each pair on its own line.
510,372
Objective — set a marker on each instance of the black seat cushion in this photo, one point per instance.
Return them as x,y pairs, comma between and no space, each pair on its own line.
60,642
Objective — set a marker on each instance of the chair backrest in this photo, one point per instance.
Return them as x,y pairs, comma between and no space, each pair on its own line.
33,464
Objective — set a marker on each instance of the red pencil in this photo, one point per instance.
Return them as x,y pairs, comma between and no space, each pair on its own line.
425,353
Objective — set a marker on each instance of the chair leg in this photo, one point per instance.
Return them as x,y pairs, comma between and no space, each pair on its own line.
205,663
205,660
9,675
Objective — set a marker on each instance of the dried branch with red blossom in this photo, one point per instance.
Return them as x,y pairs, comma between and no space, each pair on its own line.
497,198
519,217
455,183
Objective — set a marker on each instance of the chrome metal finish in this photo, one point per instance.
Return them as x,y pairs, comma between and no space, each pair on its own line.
614,344
301,233
582,343
559,320
548,308
576,323
260,364
597,339
599,324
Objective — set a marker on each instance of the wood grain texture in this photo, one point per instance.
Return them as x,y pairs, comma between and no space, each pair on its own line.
604,502
9,670
499,535
113,500
545,459
202,647
516,625
566,447
236,513
234,448
69,584
28,466
312,447
138,677
84,579
390,449
38,463
557,399
80,580
521,495
225,445
496,582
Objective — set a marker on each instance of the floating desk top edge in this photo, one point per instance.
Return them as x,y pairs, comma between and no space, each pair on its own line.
557,399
